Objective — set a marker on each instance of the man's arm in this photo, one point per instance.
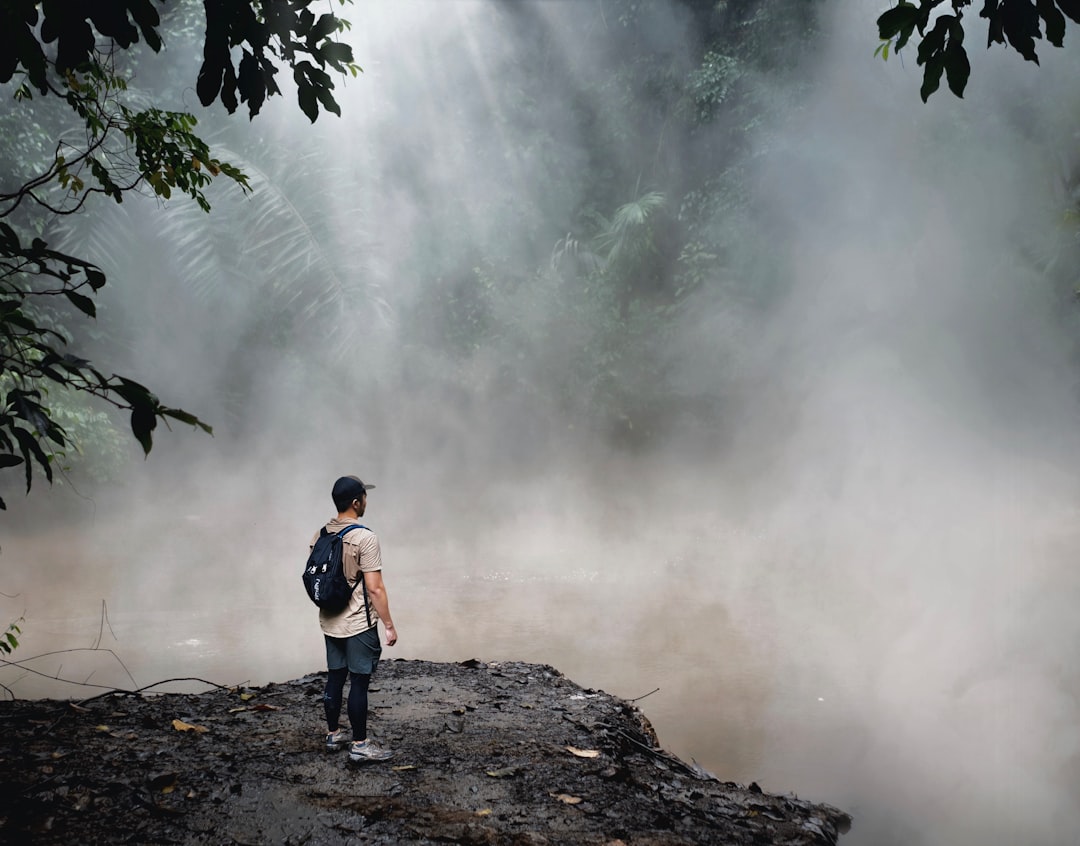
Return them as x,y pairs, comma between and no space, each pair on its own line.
380,602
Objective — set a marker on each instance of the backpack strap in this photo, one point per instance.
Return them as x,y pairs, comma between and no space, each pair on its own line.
363,584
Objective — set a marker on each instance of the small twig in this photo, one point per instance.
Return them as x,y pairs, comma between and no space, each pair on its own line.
639,698
139,691
63,473
47,676
101,628
668,758
108,622
22,663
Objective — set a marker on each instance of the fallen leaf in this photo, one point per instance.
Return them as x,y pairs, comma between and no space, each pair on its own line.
102,728
246,697
238,710
484,812
165,782
454,724
180,725
583,753
262,707
566,798
403,767
503,772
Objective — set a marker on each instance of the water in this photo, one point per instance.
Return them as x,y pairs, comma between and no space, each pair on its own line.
715,669
806,665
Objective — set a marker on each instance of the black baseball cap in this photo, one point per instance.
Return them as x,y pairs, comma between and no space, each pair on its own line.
348,488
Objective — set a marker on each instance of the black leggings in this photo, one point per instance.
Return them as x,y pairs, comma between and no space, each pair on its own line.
358,704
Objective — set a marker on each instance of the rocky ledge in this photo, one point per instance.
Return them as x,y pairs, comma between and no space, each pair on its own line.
485,753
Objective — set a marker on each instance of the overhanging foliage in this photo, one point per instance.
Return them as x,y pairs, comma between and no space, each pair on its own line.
1015,23
68,52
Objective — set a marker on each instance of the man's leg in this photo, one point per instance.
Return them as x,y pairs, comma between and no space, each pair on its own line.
364,651
358,704
335,684
336,673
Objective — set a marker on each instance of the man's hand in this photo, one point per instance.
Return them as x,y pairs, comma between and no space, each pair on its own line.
391,635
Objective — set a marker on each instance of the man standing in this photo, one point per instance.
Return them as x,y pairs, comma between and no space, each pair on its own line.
352,635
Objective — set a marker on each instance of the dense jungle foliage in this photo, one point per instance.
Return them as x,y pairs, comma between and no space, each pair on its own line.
74,128
646,211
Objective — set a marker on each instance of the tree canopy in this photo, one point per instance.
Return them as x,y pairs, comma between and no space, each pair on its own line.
1018,24
69,53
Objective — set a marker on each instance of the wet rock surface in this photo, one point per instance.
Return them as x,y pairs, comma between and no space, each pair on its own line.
506,753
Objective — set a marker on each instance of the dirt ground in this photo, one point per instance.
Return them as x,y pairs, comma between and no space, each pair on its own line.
506,753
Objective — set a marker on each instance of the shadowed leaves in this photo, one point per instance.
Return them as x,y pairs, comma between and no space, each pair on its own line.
67,50
31,360
283,30
1016,23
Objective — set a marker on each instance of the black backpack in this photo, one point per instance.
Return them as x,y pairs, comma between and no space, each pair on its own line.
324,573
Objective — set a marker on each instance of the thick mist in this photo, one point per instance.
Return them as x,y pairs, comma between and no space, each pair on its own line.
858,587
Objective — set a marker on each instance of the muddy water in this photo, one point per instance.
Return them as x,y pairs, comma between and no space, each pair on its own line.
705,677
767,669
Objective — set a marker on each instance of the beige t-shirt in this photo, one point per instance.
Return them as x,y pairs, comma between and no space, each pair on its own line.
359,551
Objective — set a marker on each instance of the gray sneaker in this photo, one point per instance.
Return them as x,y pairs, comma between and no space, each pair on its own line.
337,739
366,750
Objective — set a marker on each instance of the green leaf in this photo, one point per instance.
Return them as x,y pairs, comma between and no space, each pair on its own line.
899,23
933,42
133,393
336,54
1055,21
326,24
957,69
143,423
1020,24
210,76
899,18
309,103
1070,8
185,417
82,302
932,77
328,101
29,446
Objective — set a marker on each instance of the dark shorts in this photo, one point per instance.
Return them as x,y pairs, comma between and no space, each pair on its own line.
360,653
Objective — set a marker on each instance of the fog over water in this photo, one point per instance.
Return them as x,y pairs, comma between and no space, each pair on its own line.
861,589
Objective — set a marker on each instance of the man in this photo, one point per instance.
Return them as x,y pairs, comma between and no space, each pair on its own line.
352,635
